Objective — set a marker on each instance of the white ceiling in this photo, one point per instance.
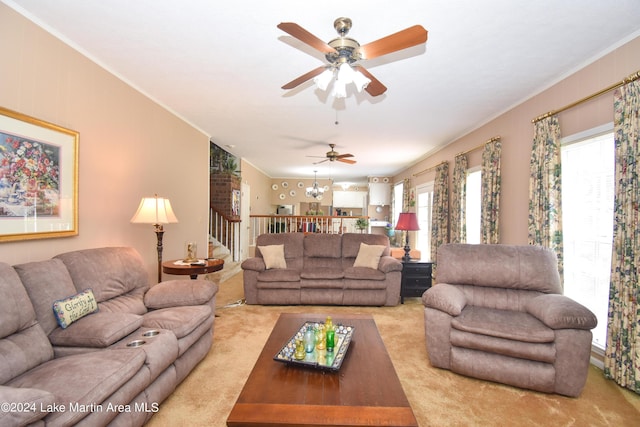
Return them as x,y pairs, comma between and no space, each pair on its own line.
220,65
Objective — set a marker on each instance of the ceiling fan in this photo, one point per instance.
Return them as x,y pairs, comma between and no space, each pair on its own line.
345,50
333,155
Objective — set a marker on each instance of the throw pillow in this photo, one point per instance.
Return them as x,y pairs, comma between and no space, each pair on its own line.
273,256
70,309
369,255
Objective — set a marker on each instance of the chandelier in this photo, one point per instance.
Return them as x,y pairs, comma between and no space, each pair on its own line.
315,191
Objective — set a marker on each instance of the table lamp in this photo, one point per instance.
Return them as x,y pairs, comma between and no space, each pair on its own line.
407,221
157,211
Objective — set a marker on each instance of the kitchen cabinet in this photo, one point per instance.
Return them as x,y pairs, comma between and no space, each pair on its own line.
379,194
349,199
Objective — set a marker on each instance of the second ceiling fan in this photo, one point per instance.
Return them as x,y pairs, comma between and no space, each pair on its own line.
333,156
347,51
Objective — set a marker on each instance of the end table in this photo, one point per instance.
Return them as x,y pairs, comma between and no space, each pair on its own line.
416,278
209,266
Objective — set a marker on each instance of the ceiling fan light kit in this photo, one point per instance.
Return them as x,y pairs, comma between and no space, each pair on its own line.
343,52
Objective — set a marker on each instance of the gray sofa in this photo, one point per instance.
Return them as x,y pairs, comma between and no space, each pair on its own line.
320,270
497,313
88,373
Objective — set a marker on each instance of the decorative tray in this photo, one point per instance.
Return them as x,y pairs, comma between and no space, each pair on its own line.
319,359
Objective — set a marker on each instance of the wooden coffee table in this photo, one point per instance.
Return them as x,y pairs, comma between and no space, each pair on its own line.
365,391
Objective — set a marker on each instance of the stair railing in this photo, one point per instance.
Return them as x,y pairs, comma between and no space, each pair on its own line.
225,230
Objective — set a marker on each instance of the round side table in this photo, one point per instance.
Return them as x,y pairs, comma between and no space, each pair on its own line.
209,266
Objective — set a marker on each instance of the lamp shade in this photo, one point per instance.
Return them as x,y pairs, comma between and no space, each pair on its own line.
154,210
407,221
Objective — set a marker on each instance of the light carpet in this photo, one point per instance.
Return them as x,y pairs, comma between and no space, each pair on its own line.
438,397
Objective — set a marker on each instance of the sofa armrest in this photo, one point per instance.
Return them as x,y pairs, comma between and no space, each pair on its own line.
174,293
388,264
445,297
24,405
561,312
255,264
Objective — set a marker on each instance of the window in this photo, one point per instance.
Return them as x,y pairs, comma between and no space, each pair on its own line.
588,163
424,204
473,204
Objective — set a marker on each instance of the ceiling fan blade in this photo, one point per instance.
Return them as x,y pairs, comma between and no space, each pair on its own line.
375,87
306,37
303,78
342,156
346,161
401,40
321,161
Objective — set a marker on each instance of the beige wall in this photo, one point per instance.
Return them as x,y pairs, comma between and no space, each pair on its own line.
260,188
516,131
127,147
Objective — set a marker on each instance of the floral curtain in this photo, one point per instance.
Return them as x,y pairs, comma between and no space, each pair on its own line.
440,209
490,193
545,189
622,353
458,200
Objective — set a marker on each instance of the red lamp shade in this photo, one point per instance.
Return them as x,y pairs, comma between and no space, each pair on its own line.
407,221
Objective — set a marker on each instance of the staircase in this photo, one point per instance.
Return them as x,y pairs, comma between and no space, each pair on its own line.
231,267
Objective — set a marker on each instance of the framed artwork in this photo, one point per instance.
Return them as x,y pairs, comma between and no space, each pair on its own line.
38,178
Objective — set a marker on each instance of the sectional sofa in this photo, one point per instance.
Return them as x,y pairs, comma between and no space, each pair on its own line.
84,339
322,269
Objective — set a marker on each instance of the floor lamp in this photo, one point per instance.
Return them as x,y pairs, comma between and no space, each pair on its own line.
407,221
157,211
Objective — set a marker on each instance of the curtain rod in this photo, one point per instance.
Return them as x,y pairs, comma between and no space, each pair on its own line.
614,86
429,169
494,139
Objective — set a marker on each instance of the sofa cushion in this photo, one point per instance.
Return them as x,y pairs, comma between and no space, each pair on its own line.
541,352
364,274
46,282
323,246
75,307
23,344
273,256
173,293
97,330
351,243
561,312
514,325
180,320
83,379
280,275
110,272
369,256
33,402
533,268
321,273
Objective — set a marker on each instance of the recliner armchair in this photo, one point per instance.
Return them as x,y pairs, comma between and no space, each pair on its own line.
497,313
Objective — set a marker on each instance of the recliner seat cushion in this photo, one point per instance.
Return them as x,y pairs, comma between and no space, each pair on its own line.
364,273
97,330
542,352
180,320
279,275
513,325
84,379
321,273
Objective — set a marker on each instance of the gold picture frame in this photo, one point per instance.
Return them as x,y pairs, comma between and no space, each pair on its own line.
38,178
